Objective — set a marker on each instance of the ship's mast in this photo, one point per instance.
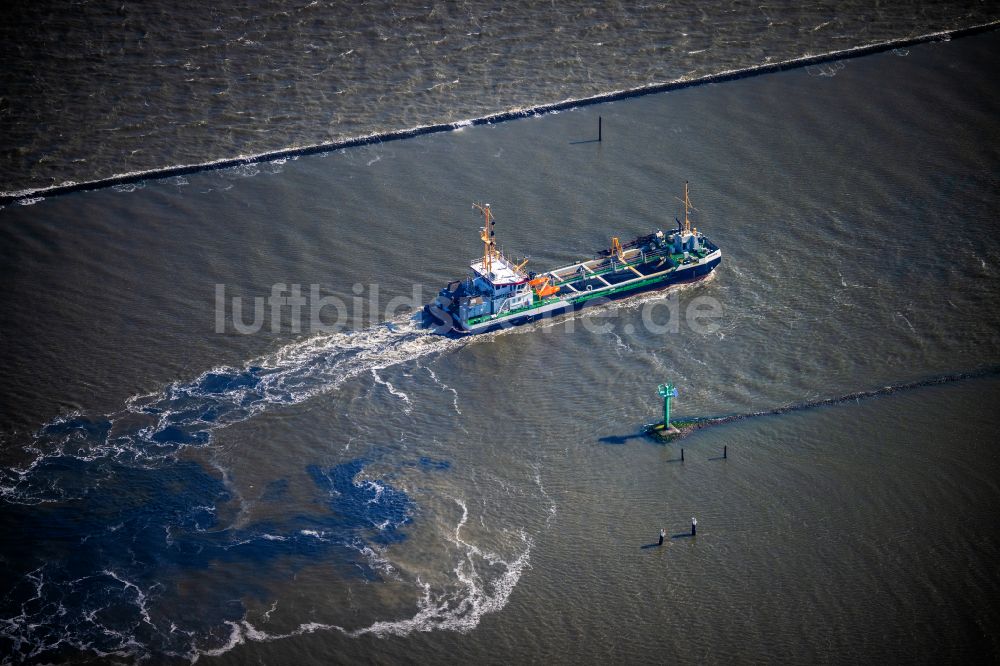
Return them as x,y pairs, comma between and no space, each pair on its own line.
488,235
687,207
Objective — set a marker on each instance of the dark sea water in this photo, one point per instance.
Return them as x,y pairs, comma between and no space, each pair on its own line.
351,488
90,90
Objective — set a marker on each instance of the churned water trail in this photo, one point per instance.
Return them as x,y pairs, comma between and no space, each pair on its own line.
150,428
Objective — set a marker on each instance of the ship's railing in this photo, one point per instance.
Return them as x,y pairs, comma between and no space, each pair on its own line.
614,266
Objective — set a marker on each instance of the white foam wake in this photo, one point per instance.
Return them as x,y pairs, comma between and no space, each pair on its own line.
155,426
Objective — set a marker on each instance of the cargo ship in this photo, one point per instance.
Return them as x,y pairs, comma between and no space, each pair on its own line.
499,293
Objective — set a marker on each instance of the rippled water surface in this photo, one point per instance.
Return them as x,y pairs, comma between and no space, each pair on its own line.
376,492
91,90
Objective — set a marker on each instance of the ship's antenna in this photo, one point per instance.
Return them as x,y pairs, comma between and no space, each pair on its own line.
488,235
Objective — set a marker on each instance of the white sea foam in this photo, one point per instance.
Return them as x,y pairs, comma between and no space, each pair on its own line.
462,608
538,482
235,638
458,607
140,600
375,486
445,387
377,559
129,187
246,170
393,391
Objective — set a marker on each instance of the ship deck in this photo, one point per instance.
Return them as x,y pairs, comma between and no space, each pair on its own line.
596,277
607,272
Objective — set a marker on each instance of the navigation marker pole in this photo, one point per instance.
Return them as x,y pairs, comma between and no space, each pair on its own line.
666,391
